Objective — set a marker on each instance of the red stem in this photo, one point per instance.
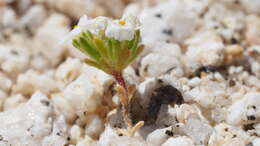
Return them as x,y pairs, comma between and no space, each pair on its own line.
120,80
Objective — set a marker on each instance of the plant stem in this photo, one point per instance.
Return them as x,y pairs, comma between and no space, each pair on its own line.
120,80
124,98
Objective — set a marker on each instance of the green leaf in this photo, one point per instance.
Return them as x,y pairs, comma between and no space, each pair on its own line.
123,54
115,50
110,48
76,44
135,41
91,50
134,56
103,50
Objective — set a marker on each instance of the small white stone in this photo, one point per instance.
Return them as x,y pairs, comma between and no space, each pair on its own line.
76,133
59,133
186,111
8,17
31,81
33,18
157,137
13,60
86,141
151,63
130,76
198,130
251,6
110,138
28,123
175,22
179,141
13,101
3,97
69,70
252,30
245,110
227,135
94,126
82,94
257,128
205,48
209,94
256,142
47,37
5,82
63,106
225,21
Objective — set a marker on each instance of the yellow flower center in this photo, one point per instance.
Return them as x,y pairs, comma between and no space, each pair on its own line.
121,22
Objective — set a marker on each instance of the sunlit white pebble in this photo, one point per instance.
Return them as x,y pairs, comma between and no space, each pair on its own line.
94,126
76,133
179,141
3,97
69,70
227,135
13,101
244,110
62,106
157,137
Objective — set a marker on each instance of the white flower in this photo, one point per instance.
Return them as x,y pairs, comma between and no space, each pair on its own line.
84,24
132,21
96,25
119,32
123,29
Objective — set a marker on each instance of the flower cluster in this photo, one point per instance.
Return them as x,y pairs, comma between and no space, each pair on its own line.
110,44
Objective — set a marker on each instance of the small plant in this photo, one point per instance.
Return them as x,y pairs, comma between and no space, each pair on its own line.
111,46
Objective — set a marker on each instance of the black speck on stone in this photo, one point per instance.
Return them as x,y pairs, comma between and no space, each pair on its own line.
68,138
146,68
168,32
234,136
120,134
160,81
233,41
169,133
158,15
254,107
207,69
250,144
169,70
58,133
226,129
45,102
251,118
248,127
231,83
14,52
1,138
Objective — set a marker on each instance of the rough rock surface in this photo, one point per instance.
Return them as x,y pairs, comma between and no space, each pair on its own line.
33,123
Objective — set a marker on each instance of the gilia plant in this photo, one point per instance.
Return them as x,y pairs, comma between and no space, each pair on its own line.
111,45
